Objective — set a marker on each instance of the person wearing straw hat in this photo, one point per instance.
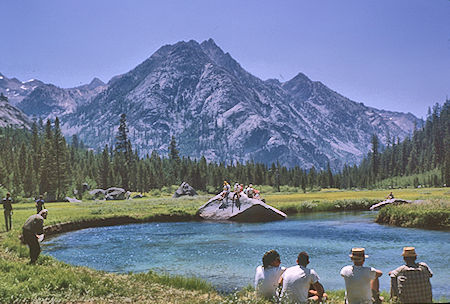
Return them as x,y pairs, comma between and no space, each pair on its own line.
410,283
361,283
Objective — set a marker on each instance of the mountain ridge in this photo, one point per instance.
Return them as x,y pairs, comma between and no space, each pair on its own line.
202,96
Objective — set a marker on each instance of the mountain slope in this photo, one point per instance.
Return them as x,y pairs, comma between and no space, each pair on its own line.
215,108
11,116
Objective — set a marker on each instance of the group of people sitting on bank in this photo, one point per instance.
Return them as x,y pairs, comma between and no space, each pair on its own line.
410,283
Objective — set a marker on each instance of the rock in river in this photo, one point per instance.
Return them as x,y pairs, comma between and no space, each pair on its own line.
250,210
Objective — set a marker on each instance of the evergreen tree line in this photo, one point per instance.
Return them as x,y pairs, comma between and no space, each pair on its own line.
427,150
41,162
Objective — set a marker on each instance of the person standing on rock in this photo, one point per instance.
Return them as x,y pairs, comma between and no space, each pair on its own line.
33,233
40,203
410,283
226,190
7,210
237,195
267,277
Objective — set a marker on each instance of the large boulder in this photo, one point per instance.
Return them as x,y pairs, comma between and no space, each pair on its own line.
98,193
184,189
115,193
392,201
250,210
71,200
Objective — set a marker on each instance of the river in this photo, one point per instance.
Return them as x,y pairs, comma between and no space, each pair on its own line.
226,254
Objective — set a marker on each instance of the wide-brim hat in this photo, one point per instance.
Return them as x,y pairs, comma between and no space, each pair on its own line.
358,254
409,252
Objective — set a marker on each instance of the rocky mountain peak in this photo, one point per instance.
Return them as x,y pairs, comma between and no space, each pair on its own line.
95,83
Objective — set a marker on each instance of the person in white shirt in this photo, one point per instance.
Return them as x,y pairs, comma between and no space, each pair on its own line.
361,283
297,281
267,277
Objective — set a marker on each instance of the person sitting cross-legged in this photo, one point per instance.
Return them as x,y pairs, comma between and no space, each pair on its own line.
267,277
361,283
297,281
410,283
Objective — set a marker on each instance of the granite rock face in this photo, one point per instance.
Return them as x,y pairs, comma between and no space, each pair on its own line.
115,193
246,210
184,189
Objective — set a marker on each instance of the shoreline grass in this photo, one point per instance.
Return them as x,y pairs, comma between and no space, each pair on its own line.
57,282
433,214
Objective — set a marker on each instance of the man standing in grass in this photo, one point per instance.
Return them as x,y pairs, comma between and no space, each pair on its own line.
40,203
33,233
361,283
7,210
410,283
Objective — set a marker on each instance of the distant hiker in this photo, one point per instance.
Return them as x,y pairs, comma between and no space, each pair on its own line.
361,283
410,283
297,281
7,210
390,196
250,191
40,203
267,277
33,233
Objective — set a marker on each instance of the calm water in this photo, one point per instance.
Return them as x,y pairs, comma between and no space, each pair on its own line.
226,254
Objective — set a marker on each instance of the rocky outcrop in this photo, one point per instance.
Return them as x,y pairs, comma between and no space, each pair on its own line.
71,200
184,189
115,193
393,201
98,193
245,210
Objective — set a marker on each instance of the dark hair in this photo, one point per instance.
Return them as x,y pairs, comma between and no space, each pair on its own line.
269,257
303,258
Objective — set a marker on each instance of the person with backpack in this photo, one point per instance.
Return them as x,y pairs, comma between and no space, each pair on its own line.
410,283
7,210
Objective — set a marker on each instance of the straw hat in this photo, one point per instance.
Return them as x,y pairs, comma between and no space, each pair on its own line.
358,254
409,252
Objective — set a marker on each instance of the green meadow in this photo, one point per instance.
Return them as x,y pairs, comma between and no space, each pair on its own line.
57,282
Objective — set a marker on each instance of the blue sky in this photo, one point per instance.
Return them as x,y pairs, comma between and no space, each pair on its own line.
388,54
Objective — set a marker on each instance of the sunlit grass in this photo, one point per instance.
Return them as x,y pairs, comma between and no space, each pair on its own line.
429,214
54,281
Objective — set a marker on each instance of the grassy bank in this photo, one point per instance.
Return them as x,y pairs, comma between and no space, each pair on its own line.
433,214
54,281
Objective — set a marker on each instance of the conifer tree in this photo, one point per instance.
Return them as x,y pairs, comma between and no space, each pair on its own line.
47,171
104,167
61,167
375,157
